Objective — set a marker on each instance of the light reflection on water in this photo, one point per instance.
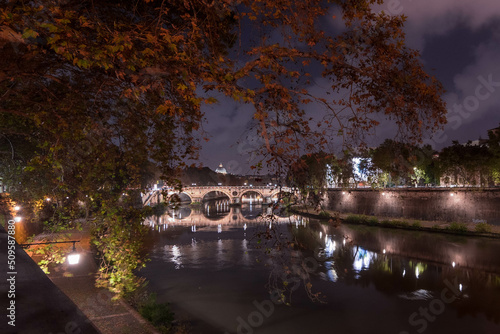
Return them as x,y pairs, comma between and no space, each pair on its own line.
355,265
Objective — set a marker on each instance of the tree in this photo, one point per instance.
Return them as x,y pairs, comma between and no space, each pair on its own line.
108,93
494,149
309,174
404,163
466,164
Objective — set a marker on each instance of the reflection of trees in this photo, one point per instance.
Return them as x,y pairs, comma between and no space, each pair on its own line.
395,275
290,267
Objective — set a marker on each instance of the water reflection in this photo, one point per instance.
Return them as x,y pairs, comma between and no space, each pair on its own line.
219,212
400,269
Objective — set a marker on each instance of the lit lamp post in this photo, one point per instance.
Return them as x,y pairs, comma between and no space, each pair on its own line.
73,256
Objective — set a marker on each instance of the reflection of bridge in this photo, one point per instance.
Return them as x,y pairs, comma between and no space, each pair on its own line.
234,193
219,213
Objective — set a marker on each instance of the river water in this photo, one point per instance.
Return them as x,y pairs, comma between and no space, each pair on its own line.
223,269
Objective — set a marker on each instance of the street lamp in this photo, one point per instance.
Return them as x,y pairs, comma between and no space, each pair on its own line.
73,256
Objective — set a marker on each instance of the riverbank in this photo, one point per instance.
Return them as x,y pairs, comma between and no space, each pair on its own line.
470,229
95,306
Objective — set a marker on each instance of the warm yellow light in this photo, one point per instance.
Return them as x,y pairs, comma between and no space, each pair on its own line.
17,208
17,219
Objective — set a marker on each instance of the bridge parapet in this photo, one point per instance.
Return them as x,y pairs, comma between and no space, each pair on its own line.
235,193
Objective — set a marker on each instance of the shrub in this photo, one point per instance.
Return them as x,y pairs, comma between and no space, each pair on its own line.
361,219
457,227
354,219
482,228
159,315
416,224
324,214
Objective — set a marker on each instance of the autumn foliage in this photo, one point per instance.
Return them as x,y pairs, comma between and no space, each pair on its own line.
95,96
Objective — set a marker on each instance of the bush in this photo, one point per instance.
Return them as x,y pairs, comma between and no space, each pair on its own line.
361,219
400,223
324,214
482,228
457,227
354,219
159,315
387,223
416,224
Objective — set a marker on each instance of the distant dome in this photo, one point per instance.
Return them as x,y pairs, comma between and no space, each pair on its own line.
221,169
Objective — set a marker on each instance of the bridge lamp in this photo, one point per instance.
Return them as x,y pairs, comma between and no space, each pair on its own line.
17,208
17,219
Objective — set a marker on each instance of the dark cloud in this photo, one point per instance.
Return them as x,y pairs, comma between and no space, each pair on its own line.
460,44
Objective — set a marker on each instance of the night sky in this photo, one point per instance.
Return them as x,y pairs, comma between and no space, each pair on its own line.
459,41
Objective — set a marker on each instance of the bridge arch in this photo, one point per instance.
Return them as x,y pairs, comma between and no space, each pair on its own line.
187,194
224,191
251,191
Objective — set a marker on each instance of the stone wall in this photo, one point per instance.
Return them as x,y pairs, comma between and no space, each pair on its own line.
443,204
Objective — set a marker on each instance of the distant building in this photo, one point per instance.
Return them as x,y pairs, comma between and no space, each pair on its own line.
221,169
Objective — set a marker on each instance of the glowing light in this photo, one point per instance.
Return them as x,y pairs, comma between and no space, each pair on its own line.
416,272
320,234
17,208
343,193
73,258
245,227
48,199
343,242
383,194
219,228
17,219
363,259
460,287
453,264
452,194
404,272
383,251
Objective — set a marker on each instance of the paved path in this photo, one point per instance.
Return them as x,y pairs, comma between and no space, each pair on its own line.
40,307
64,302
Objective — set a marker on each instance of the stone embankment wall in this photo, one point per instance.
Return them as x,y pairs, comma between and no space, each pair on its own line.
442,204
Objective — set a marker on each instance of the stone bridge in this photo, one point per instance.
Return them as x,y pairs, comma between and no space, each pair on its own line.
197,194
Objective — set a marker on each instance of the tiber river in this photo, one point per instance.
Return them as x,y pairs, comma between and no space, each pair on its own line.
219,267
